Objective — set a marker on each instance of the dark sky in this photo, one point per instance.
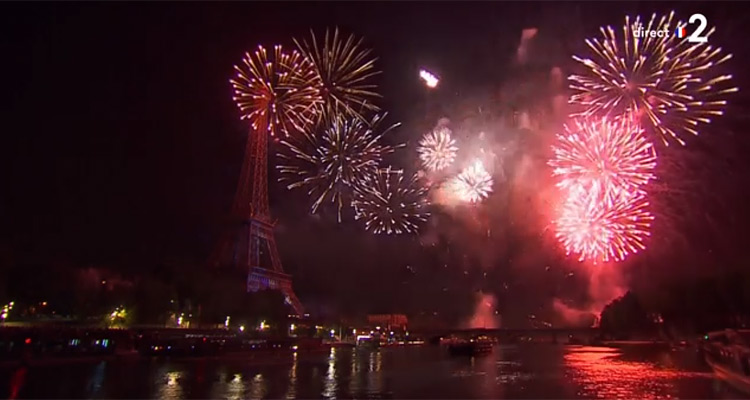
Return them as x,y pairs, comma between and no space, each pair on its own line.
121,145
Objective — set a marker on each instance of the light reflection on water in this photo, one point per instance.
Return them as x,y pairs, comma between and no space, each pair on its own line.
375,376
291,391
426,372
236,388
330,380
603,373
258,387
170,388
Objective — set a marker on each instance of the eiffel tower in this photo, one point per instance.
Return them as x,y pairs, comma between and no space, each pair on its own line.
250,244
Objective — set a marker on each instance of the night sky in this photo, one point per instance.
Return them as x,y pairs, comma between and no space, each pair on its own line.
121,146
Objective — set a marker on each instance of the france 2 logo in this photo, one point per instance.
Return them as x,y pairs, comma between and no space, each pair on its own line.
696,36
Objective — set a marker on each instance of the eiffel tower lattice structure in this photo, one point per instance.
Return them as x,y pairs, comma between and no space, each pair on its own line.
249,243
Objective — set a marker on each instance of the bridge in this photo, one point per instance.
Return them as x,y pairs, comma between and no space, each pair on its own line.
549,335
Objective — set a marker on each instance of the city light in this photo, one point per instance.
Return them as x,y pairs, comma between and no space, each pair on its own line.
119,312
242,328
263,325
333,332
226,322
6,310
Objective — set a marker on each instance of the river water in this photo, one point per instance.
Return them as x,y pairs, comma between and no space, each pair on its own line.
532,371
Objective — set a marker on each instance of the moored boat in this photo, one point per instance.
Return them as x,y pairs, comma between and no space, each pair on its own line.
472,347
728,354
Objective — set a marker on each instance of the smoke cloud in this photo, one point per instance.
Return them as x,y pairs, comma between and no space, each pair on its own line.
485,314
604,285
522,53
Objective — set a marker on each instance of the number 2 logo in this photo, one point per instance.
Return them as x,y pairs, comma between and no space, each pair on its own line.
696,37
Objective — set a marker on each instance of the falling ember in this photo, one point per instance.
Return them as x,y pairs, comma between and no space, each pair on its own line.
473,184
599,154
670,83
429,79
437,149
603,228
391,203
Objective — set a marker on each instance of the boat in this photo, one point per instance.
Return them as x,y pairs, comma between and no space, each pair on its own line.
728,354
470,348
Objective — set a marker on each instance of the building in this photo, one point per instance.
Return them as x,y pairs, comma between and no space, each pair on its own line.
388,321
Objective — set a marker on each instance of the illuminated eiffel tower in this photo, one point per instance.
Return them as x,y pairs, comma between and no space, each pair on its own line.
250,243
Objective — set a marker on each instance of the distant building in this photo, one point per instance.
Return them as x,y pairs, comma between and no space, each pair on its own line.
388,321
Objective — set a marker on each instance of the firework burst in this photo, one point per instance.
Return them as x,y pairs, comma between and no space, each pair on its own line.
334,163
473,184
277,93
344,70
669,83
437,149
603,228
599,155
391,203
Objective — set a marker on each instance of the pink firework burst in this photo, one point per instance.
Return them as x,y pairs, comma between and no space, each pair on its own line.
601,227
602,155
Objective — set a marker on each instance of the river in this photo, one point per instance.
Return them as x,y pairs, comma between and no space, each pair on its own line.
531,371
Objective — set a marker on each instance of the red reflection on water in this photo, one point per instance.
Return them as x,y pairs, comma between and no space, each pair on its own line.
600,372
17,381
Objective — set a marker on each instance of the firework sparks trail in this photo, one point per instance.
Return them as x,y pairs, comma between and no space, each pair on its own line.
391,203
344,70
280,90
599,154
429,78
437,149
473,184
669,83
331,165
604,228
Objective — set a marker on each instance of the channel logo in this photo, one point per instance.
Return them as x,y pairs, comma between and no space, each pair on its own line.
693,31
697,34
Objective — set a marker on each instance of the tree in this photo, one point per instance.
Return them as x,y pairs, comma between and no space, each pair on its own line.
625,316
